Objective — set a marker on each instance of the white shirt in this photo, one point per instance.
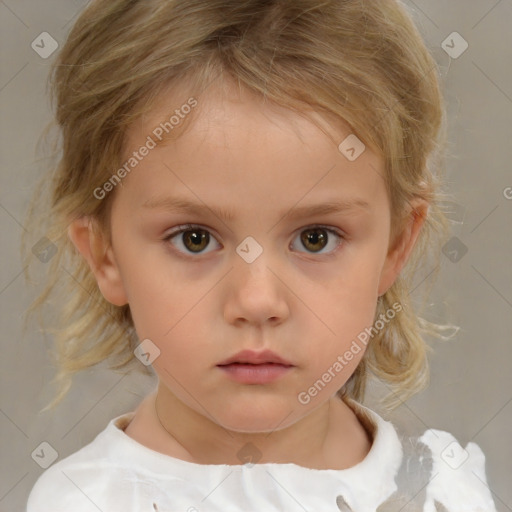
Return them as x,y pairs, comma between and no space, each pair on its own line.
115,473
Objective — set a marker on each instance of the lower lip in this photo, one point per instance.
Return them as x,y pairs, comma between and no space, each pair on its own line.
255,373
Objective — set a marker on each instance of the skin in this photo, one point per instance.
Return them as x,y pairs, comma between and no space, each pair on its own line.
307,304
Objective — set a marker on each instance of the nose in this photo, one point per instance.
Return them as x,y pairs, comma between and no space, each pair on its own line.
257,293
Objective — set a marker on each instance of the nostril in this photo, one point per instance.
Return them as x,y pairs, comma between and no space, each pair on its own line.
342,504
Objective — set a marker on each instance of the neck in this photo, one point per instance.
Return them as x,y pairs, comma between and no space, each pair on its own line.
330,437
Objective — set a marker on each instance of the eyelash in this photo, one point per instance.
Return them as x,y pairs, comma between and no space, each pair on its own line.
187,227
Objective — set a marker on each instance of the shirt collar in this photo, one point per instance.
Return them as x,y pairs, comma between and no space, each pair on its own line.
363,487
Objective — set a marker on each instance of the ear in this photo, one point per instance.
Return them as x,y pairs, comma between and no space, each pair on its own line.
91,244
399,252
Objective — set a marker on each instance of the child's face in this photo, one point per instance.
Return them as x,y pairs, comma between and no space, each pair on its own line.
307,303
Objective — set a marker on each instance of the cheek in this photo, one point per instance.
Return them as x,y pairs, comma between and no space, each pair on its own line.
150,302
158,293
351,301
347,307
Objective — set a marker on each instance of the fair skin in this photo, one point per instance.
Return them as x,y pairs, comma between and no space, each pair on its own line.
305,303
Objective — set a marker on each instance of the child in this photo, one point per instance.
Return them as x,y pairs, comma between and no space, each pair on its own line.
242,184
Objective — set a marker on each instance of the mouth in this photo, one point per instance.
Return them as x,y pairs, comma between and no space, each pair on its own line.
250,357
248,367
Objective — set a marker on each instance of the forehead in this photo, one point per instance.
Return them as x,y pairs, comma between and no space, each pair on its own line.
224,105
233,141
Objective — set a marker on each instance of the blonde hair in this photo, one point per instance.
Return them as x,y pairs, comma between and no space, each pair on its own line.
358,61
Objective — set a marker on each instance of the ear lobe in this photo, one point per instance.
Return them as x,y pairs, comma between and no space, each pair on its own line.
99,254
398,255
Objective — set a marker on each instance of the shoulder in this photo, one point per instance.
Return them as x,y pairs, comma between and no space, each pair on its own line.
67,485
87,480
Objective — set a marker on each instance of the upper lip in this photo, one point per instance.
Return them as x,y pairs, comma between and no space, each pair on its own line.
252,357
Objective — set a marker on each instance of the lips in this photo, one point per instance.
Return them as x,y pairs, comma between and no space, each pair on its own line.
256,358
255,368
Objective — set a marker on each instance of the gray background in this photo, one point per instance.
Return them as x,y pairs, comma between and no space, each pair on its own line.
470,394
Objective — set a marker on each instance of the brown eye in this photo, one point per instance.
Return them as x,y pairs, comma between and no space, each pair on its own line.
196,240
316,239
191,240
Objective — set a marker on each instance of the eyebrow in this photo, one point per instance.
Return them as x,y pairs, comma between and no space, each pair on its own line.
182,205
